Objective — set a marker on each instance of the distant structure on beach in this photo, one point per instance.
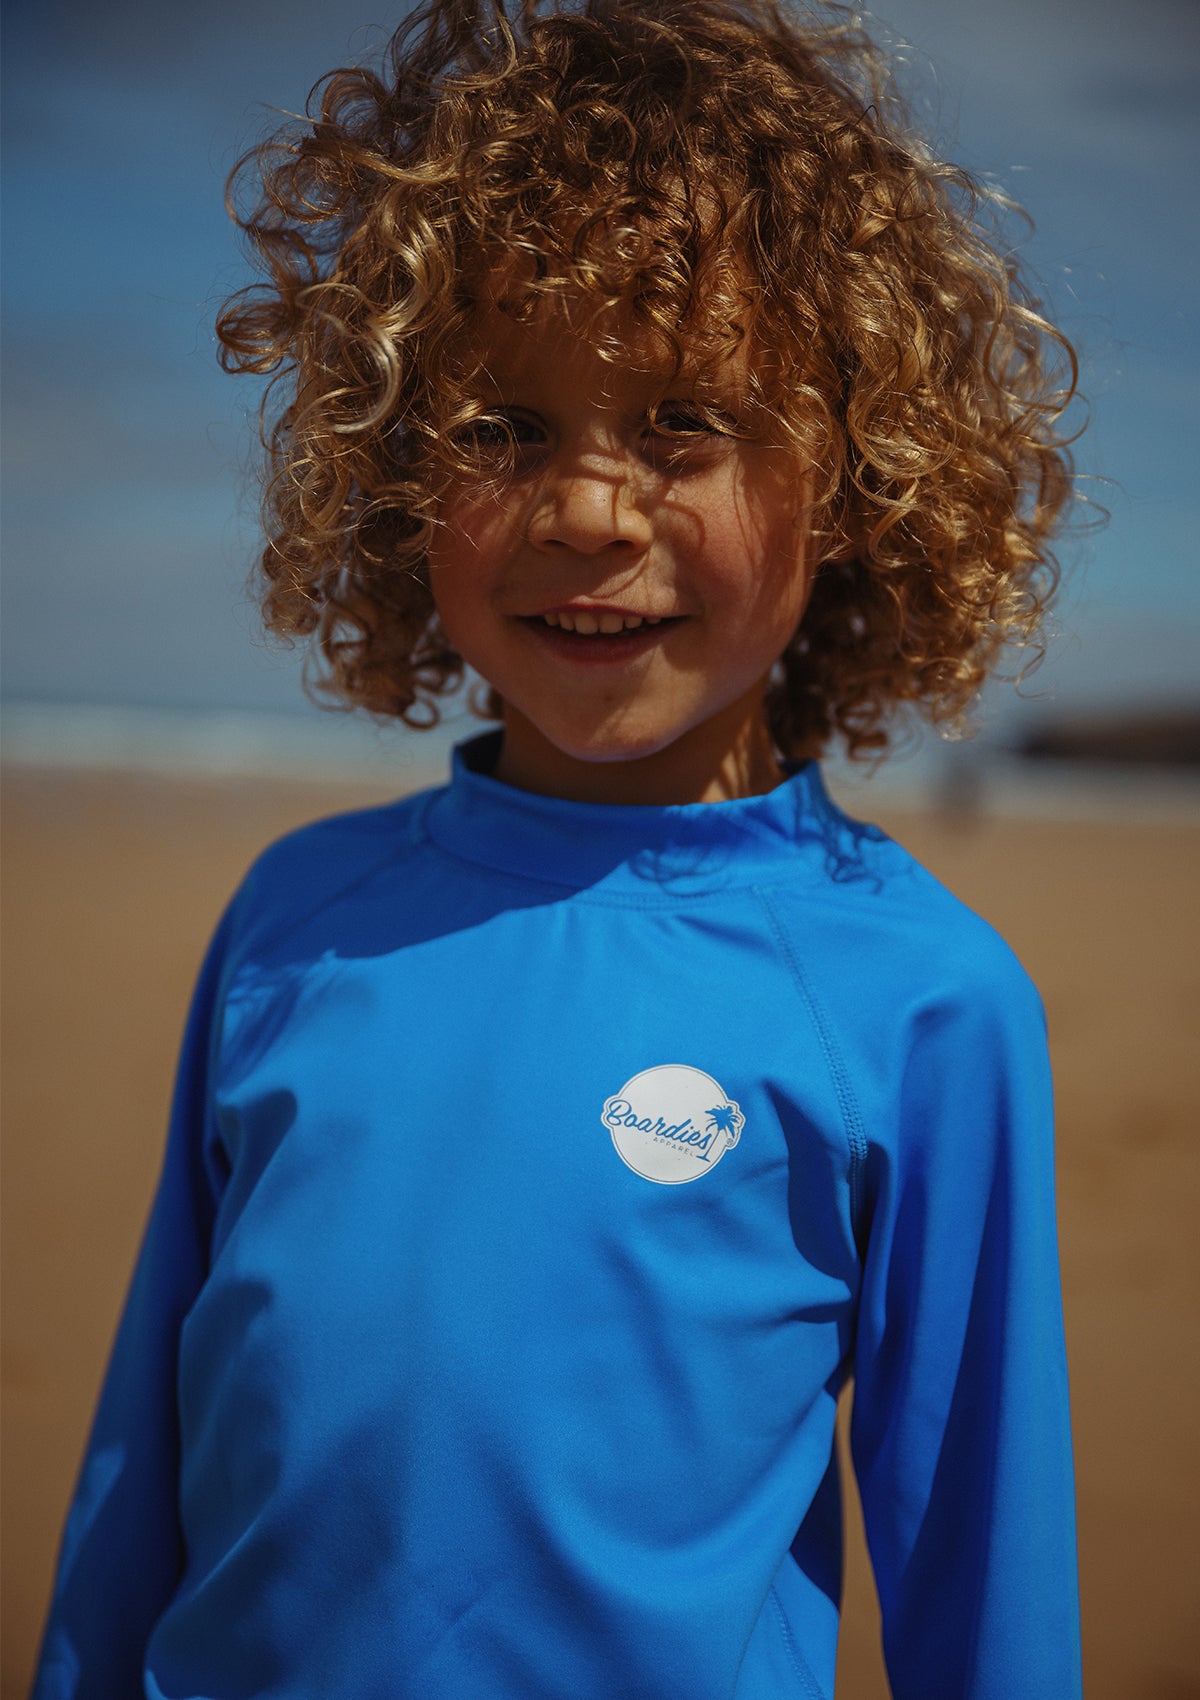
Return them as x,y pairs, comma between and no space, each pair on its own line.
1163,738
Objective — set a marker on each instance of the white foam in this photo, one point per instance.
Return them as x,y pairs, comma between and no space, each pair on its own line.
215,743
962,781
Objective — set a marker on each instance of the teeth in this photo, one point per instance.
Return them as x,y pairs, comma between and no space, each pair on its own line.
587,624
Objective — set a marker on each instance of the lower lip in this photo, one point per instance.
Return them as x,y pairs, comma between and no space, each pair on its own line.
604,648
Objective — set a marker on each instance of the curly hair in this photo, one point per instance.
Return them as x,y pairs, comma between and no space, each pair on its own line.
710,168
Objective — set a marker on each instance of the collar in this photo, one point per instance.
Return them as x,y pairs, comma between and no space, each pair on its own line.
626,849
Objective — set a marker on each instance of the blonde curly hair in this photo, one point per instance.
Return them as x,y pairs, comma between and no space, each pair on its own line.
709,169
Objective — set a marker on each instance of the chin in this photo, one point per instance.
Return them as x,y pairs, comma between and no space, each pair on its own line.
599,751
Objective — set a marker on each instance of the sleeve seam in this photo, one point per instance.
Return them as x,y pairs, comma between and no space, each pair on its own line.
798,1661
847,1104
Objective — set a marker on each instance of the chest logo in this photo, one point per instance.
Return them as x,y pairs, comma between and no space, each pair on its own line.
672,1123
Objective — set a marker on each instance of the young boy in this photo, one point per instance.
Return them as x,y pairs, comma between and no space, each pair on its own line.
550,1148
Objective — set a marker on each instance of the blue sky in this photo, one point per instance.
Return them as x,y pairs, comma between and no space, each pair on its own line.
128,519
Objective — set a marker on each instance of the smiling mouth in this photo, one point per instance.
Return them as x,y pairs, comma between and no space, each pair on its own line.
586,622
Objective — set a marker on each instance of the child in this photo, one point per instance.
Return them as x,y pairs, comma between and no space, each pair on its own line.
551,1147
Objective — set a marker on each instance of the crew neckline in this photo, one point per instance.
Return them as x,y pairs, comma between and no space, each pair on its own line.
622,847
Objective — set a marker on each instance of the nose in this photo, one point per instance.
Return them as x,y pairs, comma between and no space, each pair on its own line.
590,503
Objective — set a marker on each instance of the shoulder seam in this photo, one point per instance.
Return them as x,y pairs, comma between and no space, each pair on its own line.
847,1103
418,838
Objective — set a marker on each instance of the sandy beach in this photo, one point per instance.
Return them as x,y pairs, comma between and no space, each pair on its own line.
112,884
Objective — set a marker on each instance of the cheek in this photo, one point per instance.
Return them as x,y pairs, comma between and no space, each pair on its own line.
456,586
760,557
757,519
467,557
471,530
781,521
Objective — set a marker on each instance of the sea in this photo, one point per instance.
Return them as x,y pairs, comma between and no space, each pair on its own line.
961,778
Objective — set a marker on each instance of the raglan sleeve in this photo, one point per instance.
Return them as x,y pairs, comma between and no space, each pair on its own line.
121,1552
960,1428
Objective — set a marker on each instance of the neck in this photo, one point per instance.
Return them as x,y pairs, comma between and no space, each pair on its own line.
690,770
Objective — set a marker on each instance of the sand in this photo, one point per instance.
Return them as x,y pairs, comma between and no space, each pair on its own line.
112,884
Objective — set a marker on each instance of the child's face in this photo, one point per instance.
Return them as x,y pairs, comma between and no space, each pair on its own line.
625,593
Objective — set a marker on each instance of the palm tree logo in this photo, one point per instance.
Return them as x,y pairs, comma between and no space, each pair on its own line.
672,1123
726,1119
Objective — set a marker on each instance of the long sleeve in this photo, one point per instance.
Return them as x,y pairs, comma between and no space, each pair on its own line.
961,1433
121,1552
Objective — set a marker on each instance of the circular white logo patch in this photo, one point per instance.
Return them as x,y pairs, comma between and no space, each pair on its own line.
672,1123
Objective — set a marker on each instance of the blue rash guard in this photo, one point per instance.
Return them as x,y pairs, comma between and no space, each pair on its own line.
539,1172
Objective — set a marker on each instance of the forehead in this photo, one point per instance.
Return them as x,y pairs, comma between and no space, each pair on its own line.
572,338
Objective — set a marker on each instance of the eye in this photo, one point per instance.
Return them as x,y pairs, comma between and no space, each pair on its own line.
684,436
499,431
684,419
